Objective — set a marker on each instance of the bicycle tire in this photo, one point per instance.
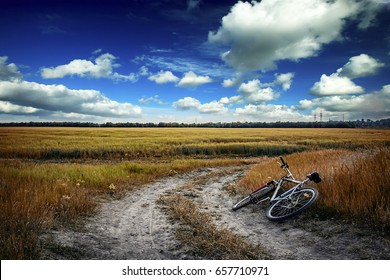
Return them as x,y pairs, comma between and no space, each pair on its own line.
293,205
253,197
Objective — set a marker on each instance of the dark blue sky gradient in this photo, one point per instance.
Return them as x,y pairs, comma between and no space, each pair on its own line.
148,37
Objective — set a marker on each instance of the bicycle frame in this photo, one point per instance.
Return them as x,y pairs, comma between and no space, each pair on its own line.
288,178
288,204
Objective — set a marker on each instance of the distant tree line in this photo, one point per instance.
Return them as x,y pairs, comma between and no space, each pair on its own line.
363,123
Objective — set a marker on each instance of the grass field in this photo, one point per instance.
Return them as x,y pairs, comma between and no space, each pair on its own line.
49,177
150,143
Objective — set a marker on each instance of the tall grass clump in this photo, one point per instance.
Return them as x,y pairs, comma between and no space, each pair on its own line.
360,189
31,203
355,185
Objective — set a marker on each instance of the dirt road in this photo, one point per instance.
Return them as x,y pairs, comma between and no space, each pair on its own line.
136,226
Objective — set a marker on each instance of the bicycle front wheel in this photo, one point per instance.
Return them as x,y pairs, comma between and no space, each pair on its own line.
292,205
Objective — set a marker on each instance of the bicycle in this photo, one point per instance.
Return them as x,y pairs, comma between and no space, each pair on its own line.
290,203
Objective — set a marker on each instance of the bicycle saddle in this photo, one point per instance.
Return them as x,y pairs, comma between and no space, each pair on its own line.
315,177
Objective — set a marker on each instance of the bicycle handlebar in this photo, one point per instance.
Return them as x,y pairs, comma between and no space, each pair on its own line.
284,164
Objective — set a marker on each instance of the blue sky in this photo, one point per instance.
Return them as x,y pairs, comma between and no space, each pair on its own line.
194,60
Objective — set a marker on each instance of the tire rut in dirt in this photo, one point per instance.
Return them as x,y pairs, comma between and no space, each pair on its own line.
134,227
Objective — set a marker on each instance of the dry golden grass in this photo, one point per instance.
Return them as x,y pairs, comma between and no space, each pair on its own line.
51,176
37,196
198,231
355,185
29,210
156,143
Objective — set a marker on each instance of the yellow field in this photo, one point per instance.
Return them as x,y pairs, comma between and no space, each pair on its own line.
51,176
141,143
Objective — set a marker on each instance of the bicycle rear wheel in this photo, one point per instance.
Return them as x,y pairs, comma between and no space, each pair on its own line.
253,197
292,205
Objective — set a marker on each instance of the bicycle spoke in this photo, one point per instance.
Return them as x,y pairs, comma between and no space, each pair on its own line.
292,204
281,210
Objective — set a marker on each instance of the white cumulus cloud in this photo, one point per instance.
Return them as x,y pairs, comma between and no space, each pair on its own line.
190,79
230,83
340,83
9,108
259,34
58,98
253,92
305,104
360,66
285,80
163,77
335,85
190,103
236,99
148,100
102,67
19,97
375,104
269,112
8,72
186,103
212,107
371,102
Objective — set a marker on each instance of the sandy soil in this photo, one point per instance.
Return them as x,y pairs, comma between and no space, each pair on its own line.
136,226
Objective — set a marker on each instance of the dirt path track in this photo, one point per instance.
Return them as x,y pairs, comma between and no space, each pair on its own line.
136,227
